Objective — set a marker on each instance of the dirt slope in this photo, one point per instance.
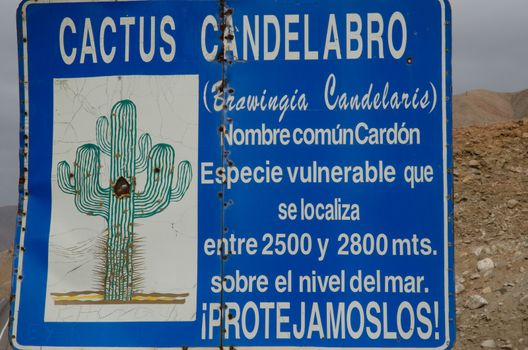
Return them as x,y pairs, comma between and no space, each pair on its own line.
491,208
7,226
480,107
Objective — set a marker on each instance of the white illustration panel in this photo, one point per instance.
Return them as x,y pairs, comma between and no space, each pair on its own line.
92,276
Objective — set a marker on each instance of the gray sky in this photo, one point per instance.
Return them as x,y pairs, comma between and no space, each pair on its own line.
490,48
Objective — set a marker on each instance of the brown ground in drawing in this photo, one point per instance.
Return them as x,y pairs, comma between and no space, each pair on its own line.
97,298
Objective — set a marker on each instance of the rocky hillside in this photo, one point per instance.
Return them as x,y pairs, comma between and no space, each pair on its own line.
7,226
480,107
491,228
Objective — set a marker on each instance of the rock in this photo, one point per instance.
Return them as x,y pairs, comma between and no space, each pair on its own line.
477,251
524,300
512,203
474,163
459,288
525,135
488,344
486,290
506,345
467,179
518,169
475,302
485,265
474,276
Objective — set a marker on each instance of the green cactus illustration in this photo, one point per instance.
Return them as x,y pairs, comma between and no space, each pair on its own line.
121,203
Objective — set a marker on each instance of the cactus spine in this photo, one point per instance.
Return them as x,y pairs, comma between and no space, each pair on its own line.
121,203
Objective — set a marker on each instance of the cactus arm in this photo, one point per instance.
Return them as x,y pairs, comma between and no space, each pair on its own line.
90,197
157,193
184,178
145,145
64,178
102,135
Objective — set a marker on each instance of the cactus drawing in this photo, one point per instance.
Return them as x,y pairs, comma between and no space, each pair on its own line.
122,203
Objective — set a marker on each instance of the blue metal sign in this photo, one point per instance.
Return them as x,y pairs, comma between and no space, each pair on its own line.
236,174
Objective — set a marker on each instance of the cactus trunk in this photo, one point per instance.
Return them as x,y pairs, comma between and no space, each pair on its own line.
119,251
119,267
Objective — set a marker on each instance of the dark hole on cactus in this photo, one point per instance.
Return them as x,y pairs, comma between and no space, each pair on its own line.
157,170
122,188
